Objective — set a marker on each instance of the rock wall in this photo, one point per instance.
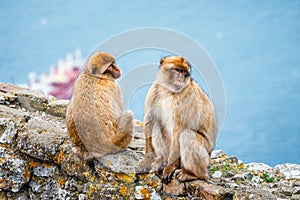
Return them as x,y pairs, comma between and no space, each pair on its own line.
37,162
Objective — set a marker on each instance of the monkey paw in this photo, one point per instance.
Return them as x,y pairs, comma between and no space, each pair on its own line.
157,166
182,175
144,166
168,173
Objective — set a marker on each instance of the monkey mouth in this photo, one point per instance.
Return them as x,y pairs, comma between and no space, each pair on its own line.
178,86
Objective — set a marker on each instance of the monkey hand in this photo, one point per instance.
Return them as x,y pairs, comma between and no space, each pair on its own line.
157,166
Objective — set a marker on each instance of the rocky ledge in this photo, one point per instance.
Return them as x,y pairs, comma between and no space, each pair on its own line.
37,162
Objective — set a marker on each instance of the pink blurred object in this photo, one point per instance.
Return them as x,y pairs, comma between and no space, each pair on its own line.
63,90
60,79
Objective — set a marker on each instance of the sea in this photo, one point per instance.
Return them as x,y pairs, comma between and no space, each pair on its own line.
254,45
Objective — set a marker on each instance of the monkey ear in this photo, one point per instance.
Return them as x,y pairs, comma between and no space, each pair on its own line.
161,61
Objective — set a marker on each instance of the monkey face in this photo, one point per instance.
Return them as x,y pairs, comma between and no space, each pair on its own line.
102,64
175,71
113,70
178,77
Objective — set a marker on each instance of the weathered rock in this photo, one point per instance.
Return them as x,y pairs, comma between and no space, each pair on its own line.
14,172
58,107
10,132
41,140
217,174
290,171
71,163
44,169
142,192
258,167
138,142
33,100
37,162
122,162
217,153
243,176
9,114
6,98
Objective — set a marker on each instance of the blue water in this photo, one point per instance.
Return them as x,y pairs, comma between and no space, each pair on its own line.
255,45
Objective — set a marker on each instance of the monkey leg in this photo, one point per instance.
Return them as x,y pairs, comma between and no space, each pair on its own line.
124,132
78,147
173,158
145,164
158,165
149,157
194,157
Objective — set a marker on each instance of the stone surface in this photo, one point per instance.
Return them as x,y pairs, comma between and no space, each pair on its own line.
122,162
33,100
290,171
58,107
217,174
41,139
10,132
37,162
258,167
14,172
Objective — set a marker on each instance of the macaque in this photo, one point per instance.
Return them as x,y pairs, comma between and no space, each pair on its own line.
96,121
179,124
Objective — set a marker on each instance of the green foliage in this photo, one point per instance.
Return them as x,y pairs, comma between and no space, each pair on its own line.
227,167
214,169
267,178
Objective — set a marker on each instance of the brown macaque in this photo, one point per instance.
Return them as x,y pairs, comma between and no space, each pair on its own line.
179,124
96,121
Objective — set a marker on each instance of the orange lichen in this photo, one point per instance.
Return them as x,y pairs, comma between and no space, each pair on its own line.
47,165
62,181
33,164
152,184
91,190
2,185
241,166
145,192
60,157
143,176
126,178
123,190
27,173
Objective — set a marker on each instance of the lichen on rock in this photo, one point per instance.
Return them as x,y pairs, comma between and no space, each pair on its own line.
37,162
14,172
41,139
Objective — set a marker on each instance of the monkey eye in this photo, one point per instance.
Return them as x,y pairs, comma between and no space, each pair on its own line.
112,65
184,72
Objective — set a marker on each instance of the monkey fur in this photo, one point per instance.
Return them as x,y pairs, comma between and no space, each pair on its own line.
179,124
96,121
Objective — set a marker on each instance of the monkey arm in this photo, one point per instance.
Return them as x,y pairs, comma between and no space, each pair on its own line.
149,121
148,127
148,118
145,164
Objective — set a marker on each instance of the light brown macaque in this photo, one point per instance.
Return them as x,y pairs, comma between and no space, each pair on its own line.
179,124
96,121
